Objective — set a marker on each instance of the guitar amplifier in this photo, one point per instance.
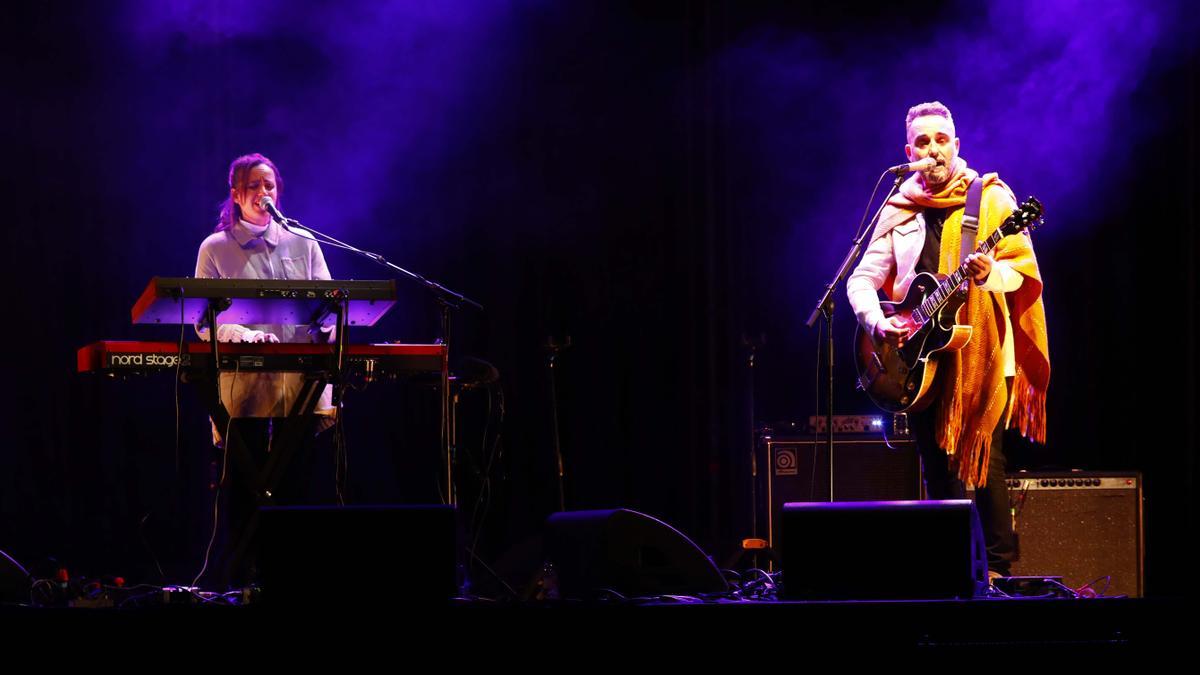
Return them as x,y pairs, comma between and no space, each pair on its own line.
864,469
1082,526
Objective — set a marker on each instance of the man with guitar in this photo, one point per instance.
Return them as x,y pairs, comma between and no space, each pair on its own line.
998,378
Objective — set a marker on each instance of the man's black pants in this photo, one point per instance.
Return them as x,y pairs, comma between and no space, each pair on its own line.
942,482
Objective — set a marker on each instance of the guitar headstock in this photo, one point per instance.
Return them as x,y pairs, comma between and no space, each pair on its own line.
1027,215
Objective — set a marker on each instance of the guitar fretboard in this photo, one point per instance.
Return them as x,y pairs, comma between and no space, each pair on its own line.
935,300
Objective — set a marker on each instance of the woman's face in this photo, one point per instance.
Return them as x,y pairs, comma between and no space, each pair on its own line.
260,182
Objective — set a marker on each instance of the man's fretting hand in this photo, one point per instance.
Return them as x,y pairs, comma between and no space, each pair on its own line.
979,266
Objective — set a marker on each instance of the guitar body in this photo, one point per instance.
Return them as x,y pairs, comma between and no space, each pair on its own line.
900,379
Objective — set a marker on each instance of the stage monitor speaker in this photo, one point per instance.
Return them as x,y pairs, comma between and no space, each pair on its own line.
628,552
1082,526
865,469
15,582
903,550
357,555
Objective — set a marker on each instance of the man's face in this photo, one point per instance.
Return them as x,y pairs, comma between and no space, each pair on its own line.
933,136
259,183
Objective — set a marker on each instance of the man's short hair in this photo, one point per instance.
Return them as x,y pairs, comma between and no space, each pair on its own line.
930,108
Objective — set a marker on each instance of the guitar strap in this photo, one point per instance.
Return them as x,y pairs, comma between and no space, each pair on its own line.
970,220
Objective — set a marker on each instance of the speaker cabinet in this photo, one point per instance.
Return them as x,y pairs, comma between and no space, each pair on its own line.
864,469
1082,526
882,550
628,552
355,555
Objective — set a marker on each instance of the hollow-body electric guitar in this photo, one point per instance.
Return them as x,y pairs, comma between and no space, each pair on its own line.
899,379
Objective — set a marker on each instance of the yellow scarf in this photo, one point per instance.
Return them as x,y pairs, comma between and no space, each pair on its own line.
972,392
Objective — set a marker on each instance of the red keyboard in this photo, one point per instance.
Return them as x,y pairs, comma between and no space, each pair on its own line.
134,357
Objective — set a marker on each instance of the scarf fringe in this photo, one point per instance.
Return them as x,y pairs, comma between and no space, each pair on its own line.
1027,413
950,419
972,469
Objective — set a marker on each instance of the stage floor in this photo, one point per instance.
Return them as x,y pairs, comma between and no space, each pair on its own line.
1016,625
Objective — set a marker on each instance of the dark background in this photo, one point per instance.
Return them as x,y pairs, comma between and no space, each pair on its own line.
657,181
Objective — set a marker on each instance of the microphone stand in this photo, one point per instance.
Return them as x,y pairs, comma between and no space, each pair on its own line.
553,349
824,308
447,299
755,545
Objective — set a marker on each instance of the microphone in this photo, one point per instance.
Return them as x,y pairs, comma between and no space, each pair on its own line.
267,204
288,224
919,165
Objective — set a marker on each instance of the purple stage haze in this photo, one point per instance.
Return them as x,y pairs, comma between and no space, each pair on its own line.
362,104
1043,92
